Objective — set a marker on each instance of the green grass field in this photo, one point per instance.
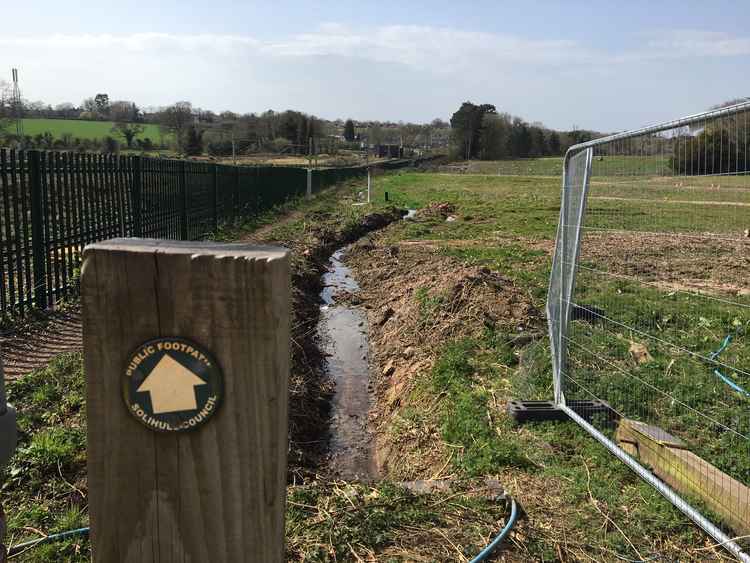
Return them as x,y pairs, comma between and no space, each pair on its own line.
547,166
78,128
610,166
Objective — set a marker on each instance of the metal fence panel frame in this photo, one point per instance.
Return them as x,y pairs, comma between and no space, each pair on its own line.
690,159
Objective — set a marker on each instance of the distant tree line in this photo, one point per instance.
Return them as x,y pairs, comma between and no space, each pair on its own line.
720,148
69,142
480,131
192,130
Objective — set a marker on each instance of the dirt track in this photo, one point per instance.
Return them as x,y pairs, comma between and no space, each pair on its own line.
36,344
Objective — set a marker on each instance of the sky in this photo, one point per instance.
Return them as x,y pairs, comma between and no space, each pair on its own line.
605,65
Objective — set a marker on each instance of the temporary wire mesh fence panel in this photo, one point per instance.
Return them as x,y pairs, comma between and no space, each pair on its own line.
649,309
53,204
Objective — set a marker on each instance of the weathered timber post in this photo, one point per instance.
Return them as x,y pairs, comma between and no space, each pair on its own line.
309,183
186,349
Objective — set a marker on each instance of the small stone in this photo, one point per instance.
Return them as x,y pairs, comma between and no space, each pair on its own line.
389,369
385,314
409,352
640,353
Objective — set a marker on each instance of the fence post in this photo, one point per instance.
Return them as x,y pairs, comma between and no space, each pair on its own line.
38,242
187,377
236,198
136,194
309,183
215,196
183,195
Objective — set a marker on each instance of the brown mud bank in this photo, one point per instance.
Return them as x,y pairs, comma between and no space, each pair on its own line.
417,301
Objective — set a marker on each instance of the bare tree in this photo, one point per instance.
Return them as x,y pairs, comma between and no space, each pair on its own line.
6,109
124,111
176,119
409,133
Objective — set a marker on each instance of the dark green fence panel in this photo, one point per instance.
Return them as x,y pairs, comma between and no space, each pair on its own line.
52,204
199,196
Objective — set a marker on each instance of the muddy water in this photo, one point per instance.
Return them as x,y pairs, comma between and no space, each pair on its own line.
343,334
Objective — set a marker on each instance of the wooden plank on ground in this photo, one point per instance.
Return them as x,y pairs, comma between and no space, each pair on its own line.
687,473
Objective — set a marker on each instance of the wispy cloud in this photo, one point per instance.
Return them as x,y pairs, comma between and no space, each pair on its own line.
432,69
694,43
424,47
135,42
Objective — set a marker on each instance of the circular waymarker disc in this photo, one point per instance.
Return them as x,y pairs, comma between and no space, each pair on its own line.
172,384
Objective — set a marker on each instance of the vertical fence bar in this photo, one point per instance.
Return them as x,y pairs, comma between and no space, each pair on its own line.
39,245
60,245
53,229
136,191
236,197
22,193
9,273
183,195
68,219
48,212
215,196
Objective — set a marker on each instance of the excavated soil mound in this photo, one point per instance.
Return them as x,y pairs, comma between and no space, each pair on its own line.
418,300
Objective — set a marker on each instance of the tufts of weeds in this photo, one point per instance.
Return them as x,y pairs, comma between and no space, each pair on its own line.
428,305
44,486
466,419
339,521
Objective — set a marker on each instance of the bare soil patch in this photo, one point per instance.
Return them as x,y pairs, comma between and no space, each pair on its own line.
678,262
32,345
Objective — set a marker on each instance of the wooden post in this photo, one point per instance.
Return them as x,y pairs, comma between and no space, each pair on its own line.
309,183
215,492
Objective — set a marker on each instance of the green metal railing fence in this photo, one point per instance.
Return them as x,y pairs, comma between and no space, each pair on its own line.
55,203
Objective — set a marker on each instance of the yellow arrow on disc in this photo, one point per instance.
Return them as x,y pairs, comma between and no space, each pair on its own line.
172,386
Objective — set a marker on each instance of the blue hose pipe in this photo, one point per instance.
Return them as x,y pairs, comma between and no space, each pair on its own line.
487,551
16,549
